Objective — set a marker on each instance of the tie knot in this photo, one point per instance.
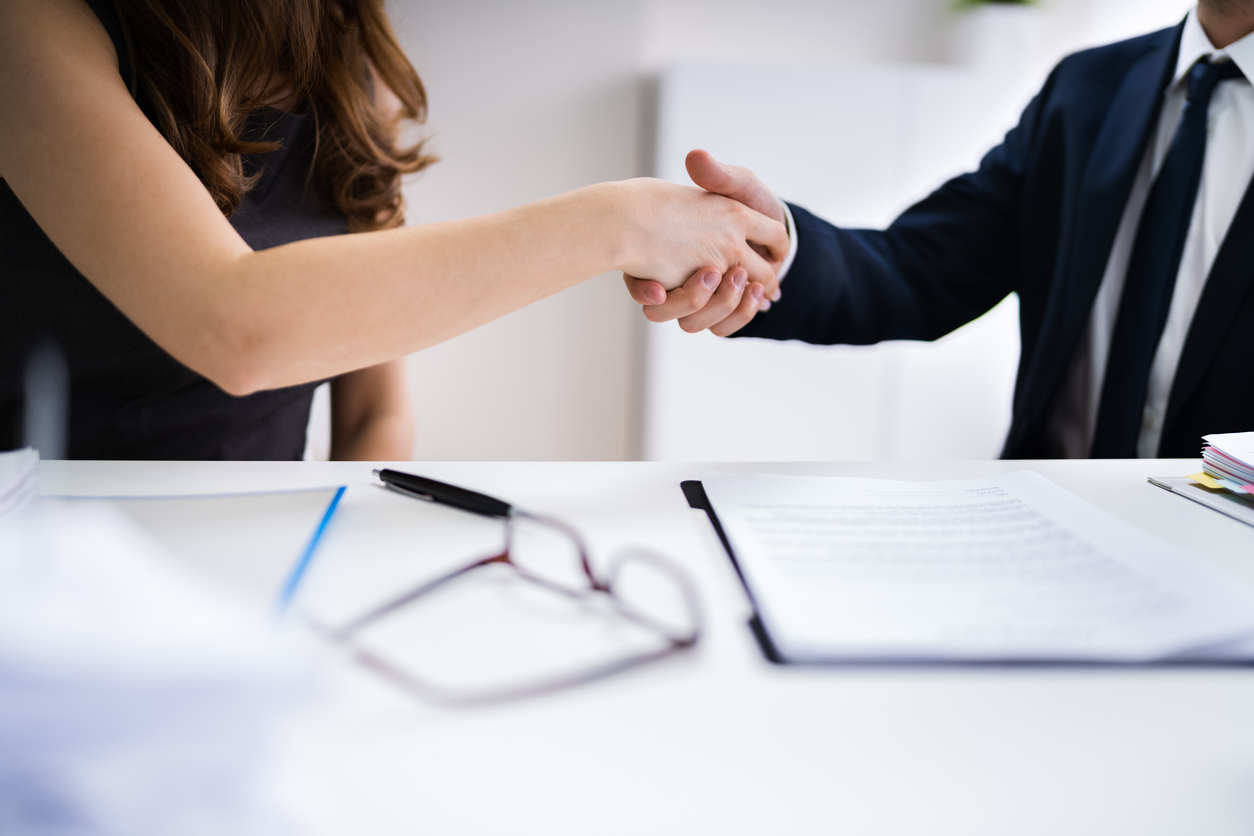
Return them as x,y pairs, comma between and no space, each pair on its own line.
1204,75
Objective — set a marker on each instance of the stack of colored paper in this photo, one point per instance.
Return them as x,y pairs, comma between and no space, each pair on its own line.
1228,463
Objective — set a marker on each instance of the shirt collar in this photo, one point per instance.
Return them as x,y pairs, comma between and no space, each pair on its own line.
1194,44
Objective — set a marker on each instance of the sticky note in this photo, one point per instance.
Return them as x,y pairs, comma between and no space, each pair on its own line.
1205,481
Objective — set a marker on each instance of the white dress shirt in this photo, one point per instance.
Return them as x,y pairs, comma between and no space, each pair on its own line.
1226,174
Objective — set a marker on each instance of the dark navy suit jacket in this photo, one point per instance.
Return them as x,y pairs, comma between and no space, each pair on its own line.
1038,218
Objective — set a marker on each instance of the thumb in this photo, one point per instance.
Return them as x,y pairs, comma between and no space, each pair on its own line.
733,181
709,173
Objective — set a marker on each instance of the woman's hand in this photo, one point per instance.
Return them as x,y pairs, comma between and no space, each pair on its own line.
675,230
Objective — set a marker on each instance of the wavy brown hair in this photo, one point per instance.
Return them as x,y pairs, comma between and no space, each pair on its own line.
202,66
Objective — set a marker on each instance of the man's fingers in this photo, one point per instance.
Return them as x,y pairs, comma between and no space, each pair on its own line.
645,291
692,296
745,311
725,301
736,182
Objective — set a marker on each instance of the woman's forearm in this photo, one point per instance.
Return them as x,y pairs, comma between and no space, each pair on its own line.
314,308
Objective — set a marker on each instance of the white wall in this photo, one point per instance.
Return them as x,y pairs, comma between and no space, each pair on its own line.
862,143
533,97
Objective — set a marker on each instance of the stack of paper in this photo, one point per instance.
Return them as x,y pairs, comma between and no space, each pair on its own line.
1228,463
18,483
134,697
1226,481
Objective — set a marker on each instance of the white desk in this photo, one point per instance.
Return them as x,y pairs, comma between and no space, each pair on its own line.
722,742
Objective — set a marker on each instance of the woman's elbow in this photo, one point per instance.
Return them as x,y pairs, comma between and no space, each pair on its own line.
236,363
237,376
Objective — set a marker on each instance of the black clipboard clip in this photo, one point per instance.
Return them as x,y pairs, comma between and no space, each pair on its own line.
694,492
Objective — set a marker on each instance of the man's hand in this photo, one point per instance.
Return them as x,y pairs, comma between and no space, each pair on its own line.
734,181
707,300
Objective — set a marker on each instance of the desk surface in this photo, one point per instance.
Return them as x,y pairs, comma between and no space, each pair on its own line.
723,742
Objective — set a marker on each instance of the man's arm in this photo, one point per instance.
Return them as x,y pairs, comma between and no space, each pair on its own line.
943,262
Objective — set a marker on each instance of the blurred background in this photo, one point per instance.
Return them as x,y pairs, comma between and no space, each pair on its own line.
852,109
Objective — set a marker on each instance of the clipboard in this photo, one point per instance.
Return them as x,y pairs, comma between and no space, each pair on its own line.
1229,504
694,492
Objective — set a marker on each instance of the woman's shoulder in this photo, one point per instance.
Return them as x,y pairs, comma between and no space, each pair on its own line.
106,12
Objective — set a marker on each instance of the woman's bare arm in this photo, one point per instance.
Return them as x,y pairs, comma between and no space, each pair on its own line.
372,418
127,211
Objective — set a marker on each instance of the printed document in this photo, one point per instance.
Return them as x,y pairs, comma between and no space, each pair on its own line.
1003,568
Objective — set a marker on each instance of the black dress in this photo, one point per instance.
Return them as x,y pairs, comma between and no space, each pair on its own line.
129,399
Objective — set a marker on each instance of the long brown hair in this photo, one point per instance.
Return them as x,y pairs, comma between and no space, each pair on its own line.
204,65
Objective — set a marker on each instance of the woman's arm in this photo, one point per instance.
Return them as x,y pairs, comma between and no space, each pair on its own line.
372,418
117,200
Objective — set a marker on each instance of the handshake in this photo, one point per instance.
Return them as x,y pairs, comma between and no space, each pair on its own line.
710,258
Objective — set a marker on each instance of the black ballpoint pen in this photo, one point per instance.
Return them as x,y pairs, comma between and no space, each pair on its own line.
445,494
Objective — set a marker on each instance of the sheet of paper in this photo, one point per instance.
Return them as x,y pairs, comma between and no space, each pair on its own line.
250,542
1009,567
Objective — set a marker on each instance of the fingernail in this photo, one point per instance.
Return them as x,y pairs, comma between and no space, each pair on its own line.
765,306
757,293
776,295
711,280
739,279
655,296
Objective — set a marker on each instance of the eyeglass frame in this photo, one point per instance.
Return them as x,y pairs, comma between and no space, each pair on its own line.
675,641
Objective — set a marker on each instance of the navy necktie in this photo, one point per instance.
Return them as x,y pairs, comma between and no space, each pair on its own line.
1152,268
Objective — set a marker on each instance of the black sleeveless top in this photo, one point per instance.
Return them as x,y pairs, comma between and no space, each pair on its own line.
129,399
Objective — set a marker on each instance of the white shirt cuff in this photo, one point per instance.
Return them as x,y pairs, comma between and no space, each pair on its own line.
792,241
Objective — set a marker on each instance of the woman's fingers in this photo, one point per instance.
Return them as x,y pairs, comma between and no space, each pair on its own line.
644,291
768,233
750,302
691,297
761,271
726,299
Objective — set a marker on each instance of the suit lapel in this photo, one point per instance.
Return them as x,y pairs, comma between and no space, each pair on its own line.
1131,117
1230,280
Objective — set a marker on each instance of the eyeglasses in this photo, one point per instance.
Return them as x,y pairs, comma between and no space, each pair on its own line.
641,587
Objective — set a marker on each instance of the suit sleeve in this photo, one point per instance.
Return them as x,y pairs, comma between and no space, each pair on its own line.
943,262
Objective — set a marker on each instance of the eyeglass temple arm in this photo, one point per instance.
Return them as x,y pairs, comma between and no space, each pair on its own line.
346,631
